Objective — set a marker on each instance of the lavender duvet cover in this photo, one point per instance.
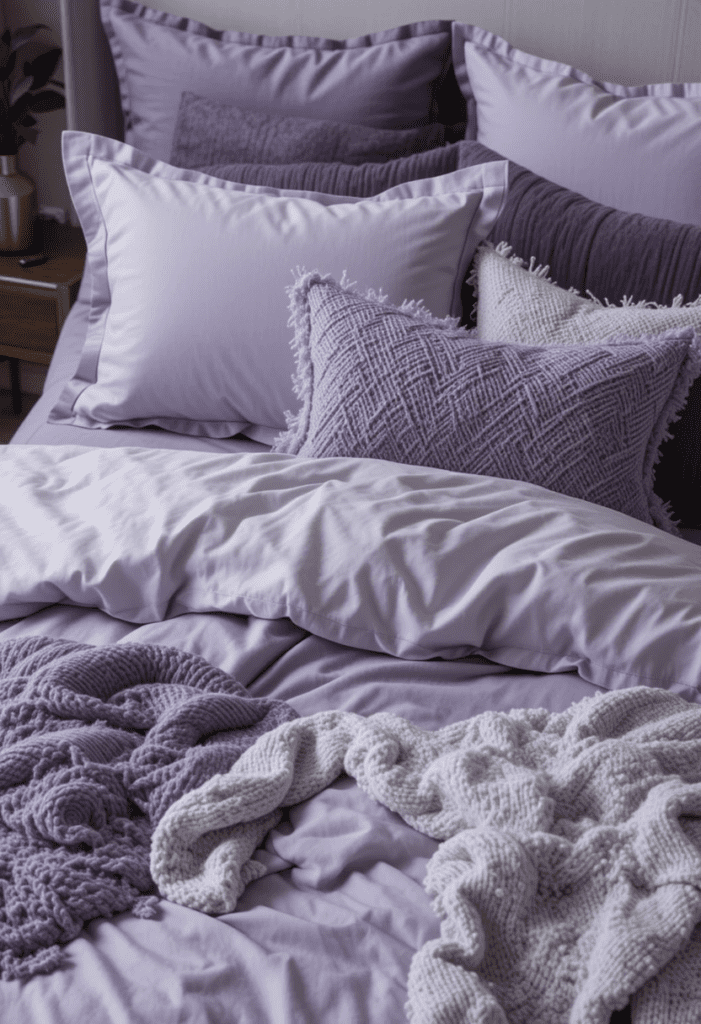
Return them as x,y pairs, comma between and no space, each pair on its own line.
332,584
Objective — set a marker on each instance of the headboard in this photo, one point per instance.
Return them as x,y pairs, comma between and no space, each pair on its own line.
627,41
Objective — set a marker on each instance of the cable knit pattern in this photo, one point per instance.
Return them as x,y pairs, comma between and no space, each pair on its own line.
95,744
569,876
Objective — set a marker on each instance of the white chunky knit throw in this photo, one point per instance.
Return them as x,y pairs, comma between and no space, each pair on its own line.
569,879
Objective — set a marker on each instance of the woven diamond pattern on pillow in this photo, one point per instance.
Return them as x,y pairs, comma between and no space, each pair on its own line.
521,304
386,382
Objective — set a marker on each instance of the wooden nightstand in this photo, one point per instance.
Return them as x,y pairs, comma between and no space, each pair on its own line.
35,301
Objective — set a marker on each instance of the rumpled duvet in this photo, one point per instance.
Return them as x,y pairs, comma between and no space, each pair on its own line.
409,561
95,744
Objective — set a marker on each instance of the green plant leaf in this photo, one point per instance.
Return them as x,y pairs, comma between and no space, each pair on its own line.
38,102
18,98
23,35
44,101
4,49
42,67
7,66
27,135
10,43
19,90
8,140
19,109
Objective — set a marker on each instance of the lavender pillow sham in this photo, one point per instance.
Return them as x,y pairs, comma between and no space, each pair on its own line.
377,381
188,320
207,132
611,255
360,181
636,148
389,79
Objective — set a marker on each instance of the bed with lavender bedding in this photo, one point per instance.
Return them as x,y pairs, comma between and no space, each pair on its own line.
332,586
349,618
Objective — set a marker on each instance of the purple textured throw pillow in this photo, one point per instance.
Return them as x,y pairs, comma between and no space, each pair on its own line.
386,382
207,132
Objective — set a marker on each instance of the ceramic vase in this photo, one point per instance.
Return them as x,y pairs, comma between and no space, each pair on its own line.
18,207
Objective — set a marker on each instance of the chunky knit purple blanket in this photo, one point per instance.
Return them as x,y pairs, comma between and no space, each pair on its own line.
95,744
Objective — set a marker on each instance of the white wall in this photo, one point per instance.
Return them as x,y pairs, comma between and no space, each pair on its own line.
627,41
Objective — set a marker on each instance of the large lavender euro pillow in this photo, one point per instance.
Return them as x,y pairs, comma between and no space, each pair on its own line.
387,382
636,148
207,132
187,327
389,79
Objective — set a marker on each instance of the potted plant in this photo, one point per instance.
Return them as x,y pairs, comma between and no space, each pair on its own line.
22,94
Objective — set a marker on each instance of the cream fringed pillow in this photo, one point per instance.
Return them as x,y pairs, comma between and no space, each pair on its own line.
520,303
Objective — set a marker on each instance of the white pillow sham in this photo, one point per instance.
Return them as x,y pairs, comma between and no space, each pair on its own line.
636,148
188,321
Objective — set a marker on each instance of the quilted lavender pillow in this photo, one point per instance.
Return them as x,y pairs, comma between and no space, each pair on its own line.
386,382
208,132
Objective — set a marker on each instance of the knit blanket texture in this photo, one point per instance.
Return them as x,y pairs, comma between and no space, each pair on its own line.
95,744
568,879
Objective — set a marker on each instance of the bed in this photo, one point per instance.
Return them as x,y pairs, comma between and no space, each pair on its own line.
349,615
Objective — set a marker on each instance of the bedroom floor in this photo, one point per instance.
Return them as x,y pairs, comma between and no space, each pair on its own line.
8,420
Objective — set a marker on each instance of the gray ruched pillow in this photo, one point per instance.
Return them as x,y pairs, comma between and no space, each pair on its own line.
336,179
386,382
207,132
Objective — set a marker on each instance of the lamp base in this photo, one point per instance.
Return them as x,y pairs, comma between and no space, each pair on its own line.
18,207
